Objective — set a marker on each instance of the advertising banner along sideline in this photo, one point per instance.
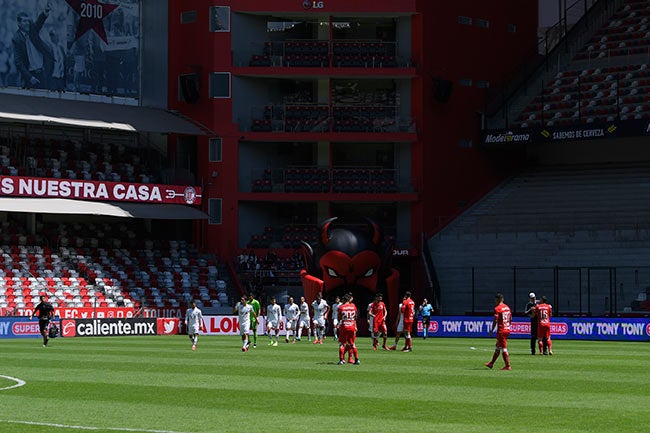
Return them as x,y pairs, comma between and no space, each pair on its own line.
562,328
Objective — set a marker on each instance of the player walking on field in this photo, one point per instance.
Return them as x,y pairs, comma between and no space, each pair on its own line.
321,309
291,313
335,317
501,322
405,323
378,313
254,315
544,312
244,311
273,318
44,311
348,331
193,323
303,320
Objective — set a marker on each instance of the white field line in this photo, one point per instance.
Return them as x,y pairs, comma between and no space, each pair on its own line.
89,428
19,382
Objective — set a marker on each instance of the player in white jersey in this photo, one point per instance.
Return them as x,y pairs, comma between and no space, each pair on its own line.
335,317
303,320
244,311
321,309
291,313
193,323
273,318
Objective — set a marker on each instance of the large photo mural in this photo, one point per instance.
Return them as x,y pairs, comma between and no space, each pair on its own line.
82,46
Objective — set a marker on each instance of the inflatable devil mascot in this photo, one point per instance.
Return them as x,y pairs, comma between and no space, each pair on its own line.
354,260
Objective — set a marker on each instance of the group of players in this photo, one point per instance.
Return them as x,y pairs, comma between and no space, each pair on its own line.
540,327
344,315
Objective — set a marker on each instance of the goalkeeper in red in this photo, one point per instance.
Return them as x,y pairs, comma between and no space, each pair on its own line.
348,330
501,322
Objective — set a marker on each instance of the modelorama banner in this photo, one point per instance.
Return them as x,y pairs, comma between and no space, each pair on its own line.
82,46
562,328
21,186
25,327
591,131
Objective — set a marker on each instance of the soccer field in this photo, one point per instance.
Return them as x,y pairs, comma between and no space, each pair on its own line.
157,384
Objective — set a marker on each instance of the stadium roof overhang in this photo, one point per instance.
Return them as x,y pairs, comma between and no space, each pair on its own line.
115,209
85,114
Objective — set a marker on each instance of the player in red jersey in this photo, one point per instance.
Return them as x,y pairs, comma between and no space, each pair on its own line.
348,330
544,311
407,316
501,322
378,312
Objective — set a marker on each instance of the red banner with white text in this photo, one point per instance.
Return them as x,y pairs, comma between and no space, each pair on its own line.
96,190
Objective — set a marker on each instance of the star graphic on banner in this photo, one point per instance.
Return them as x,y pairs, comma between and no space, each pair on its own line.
91,13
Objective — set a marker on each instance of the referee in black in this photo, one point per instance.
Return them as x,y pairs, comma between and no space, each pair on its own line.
44,311
530,312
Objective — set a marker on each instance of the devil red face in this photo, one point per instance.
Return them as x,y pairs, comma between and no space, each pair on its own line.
340,270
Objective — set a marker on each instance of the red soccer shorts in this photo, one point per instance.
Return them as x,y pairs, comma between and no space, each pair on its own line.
347,336
379,327
543,332
502,339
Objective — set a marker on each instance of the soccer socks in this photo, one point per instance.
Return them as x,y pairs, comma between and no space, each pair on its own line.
355,352
495,355
341,352
506,357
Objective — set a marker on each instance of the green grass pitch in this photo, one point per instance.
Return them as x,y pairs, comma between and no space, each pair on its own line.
157,384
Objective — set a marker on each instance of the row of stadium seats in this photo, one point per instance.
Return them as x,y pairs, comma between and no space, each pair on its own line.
317,54
591,95
162,274
628,33
289,236
314,180
73,160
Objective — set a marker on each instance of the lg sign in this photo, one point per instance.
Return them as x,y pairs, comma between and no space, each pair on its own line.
313,4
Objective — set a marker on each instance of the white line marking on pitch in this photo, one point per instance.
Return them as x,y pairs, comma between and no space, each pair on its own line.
81,427
19,383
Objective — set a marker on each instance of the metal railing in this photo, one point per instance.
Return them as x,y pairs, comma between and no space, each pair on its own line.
322,53
583,290
326,118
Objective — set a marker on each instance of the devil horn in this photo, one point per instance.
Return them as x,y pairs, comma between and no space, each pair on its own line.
376,233
324,234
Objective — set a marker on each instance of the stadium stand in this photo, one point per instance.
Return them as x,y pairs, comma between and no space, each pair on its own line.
591,217
591,95
606,79
112,268
626,34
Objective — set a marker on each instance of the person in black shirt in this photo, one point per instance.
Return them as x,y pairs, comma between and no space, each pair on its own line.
44,311
530,312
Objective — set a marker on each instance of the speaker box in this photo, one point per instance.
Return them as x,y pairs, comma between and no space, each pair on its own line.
442,90
189,85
